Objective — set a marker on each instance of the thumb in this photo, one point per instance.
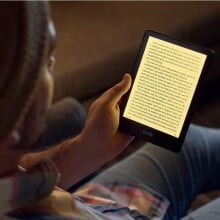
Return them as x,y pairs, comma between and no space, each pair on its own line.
114,94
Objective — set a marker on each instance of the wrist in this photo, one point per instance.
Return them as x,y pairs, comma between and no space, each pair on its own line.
95,148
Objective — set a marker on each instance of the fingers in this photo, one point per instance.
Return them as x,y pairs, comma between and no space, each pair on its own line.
114,94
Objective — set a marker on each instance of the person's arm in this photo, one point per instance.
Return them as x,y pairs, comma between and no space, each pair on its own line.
99,142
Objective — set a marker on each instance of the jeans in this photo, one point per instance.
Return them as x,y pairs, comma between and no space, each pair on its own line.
178,177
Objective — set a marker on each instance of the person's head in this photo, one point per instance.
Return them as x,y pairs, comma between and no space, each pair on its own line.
26,84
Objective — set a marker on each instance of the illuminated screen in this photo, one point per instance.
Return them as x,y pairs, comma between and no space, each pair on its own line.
164,86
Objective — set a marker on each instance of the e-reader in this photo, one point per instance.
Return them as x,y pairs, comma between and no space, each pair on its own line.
166,79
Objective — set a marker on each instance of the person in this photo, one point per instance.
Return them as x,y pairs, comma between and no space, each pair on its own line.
152,183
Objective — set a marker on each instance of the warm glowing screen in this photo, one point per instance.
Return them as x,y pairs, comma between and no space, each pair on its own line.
164,86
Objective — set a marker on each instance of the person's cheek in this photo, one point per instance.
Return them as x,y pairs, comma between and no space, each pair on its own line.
42,103
49,87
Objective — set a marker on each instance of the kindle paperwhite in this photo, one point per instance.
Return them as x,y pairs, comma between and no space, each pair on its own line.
166,80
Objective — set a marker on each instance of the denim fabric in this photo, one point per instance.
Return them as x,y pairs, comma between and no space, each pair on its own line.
178,177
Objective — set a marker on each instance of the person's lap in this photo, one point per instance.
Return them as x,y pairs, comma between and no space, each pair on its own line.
178,177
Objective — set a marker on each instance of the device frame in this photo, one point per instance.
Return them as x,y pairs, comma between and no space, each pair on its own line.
147,133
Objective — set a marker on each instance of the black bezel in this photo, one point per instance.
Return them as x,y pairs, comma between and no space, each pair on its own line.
147,133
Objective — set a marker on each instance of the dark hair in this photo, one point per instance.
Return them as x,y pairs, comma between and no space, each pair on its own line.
24,45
